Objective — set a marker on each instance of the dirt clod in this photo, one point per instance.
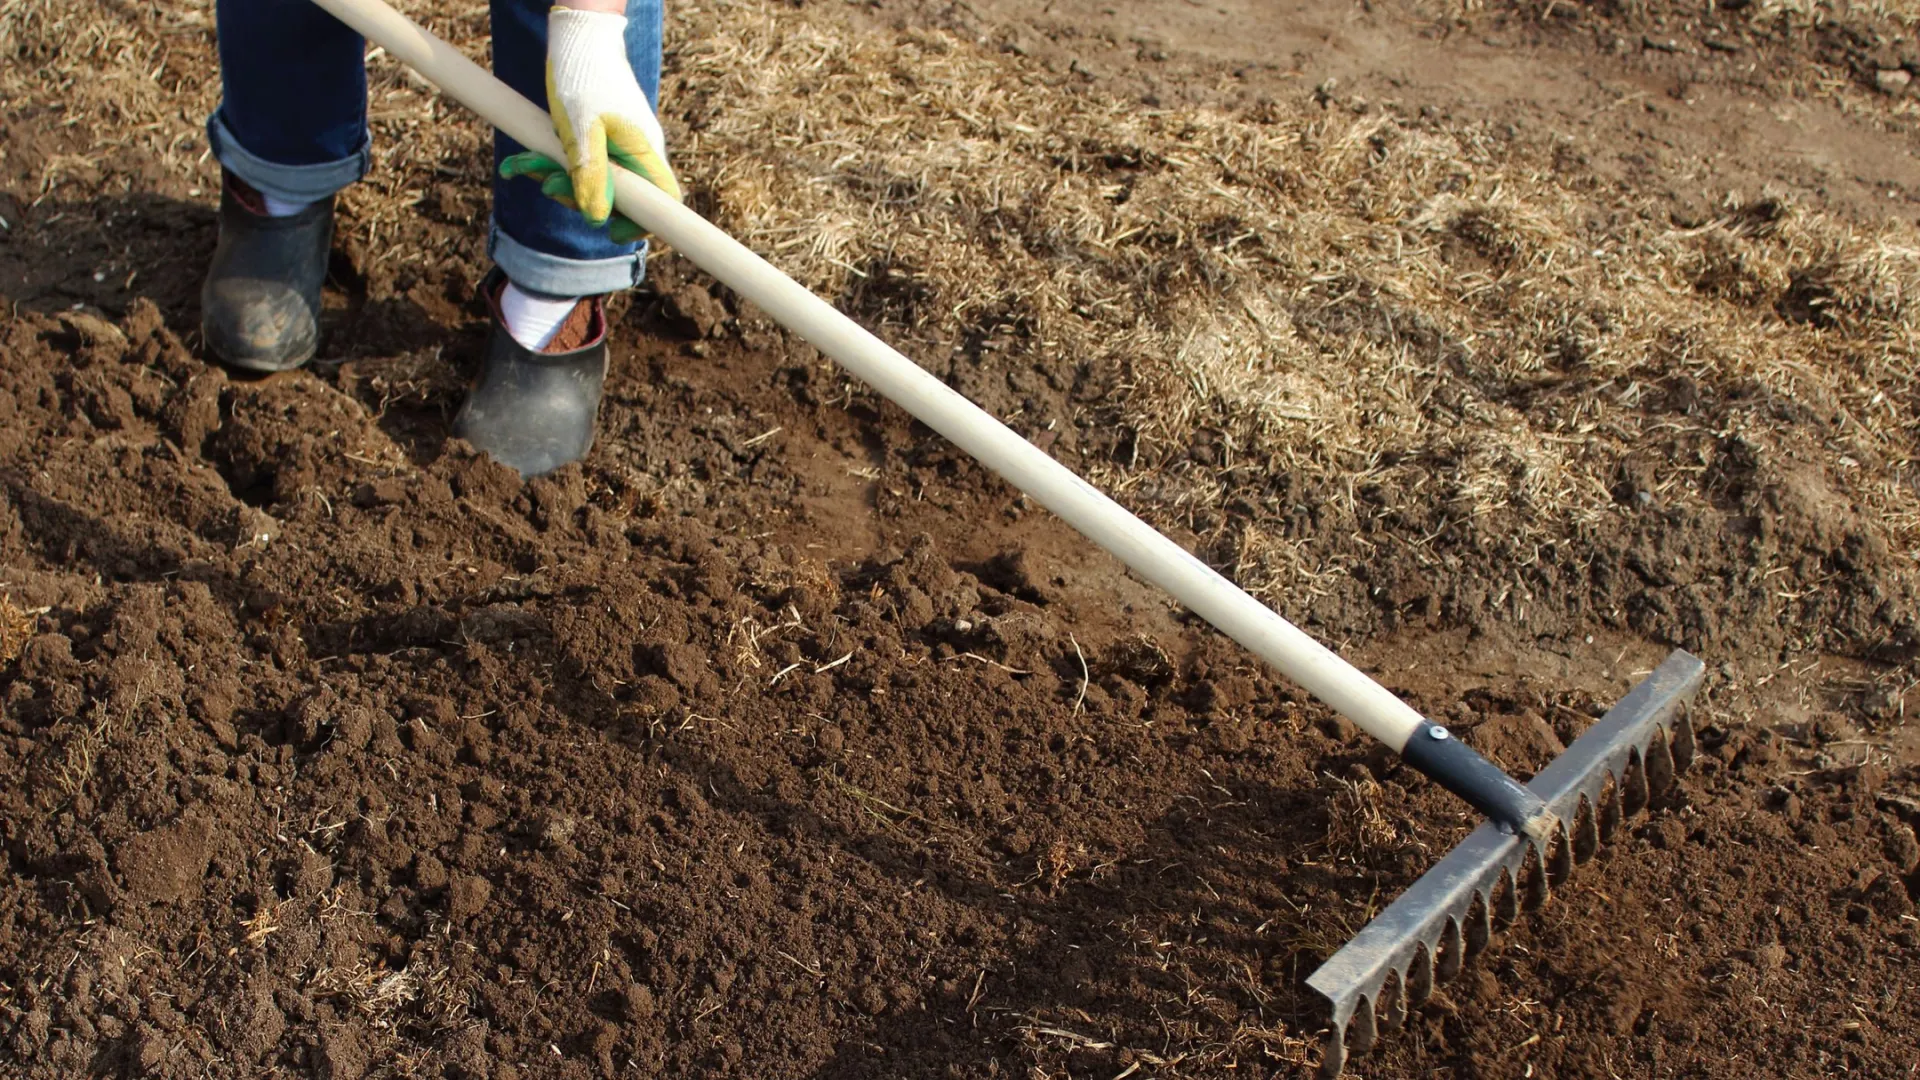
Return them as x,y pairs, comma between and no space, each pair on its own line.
164,865
1902,849
467,896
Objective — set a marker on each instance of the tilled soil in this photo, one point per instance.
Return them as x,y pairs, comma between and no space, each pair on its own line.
779,740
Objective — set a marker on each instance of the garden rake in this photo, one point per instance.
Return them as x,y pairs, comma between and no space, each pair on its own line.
1535,832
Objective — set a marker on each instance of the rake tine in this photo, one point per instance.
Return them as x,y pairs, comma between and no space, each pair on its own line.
1506,901
1419,979
1633,790
1538,890
1446,915
1479,927
1659,764
1363,1030
1683,743
1586,832
1394,993
1333,1059
1610,813
1450,949
1560,858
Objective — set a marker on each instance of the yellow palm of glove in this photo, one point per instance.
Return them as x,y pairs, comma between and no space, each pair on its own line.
599,111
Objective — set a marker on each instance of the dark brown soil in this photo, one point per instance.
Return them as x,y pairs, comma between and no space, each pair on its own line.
777,740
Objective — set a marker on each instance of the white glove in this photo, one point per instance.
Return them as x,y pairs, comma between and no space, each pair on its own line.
599,110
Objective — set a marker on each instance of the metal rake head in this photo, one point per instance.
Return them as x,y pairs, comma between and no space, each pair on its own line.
1449,915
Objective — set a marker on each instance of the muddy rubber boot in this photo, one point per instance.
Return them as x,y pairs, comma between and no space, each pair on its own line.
260,304
536,411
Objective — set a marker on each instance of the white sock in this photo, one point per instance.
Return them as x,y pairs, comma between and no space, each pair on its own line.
531,319
282,207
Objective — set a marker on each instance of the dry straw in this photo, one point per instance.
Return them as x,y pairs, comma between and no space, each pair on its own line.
16,625
1299,301
1459,327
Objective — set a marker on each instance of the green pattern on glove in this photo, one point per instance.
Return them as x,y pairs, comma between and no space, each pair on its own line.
556,184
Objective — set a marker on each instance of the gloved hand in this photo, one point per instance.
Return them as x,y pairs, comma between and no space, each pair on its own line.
601,115
558,186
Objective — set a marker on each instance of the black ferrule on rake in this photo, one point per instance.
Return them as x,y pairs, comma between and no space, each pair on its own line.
1460,769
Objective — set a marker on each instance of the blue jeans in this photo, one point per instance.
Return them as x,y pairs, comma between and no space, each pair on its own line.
293,124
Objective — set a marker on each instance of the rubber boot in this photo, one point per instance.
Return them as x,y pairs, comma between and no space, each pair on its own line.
536,411
260,304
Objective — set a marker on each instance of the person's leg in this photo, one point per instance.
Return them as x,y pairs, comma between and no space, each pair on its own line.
291,131
543,247
536,401
292,122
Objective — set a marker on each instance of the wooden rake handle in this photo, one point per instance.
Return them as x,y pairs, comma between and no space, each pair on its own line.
1053,485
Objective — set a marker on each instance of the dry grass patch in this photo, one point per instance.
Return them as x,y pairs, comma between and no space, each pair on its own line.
1358,830
1303,299
16,625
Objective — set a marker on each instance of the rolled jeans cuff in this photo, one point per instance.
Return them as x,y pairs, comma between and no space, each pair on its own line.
556,275
292,183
